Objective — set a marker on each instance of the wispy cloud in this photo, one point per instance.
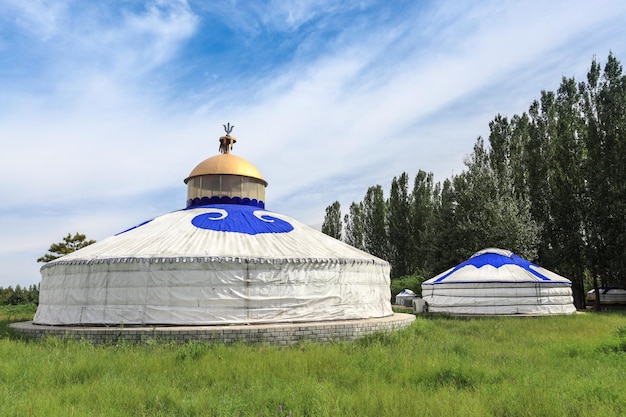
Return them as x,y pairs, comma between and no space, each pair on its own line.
42,19
282,15
151,37
68,43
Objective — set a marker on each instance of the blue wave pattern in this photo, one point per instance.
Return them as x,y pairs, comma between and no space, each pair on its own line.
240,219
496,260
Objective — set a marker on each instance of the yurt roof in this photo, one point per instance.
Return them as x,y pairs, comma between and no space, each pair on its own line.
494,265
217,232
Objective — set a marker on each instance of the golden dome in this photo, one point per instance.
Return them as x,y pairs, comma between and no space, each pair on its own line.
226,164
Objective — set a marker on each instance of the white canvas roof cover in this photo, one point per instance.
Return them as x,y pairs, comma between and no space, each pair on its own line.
214,264
496,281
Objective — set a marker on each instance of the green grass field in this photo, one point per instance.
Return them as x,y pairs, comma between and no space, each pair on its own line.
508,366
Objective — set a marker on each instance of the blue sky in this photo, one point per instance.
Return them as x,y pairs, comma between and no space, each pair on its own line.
105,107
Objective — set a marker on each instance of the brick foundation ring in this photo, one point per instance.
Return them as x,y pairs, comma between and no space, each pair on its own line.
273,334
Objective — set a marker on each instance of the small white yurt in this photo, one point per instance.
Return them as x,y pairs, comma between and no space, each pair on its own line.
498,282
224,259
405,298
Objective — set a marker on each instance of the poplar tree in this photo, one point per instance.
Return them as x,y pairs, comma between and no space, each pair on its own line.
604,99
332,221
374,215
354,226
447,249
567,189
400,233
537,157
422,214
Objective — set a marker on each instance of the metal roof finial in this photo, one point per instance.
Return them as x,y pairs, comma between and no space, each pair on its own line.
226,142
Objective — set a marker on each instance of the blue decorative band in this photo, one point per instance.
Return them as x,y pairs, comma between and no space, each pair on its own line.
205,201
496,261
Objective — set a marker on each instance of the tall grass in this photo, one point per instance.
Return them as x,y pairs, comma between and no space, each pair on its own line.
14,313
536,366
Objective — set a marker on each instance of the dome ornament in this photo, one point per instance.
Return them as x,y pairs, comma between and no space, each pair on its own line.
226,142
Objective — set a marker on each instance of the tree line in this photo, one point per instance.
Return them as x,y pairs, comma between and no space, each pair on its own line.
550,185
19,295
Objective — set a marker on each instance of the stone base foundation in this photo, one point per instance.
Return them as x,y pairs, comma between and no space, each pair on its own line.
274,334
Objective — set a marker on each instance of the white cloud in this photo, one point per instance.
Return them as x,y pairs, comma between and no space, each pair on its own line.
291,15
279,15
40,18
80,41
155,35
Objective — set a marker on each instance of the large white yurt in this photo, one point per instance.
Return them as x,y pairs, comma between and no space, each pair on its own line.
224,259
496,281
